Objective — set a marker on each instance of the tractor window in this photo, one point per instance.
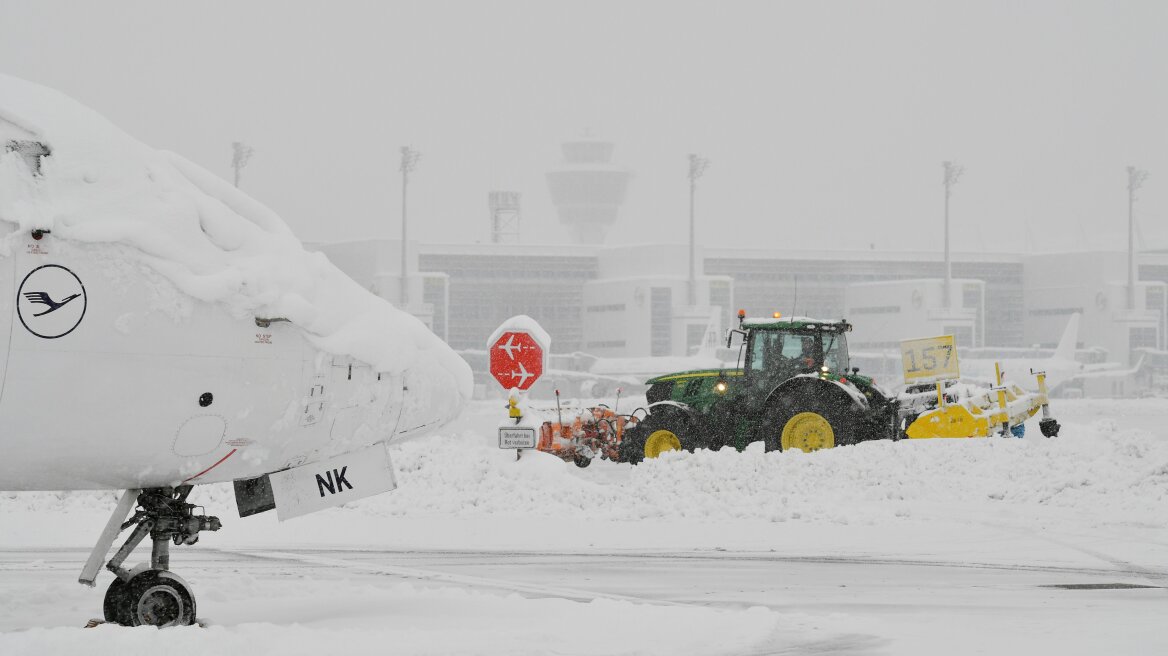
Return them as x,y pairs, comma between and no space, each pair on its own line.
762,349
835,352
799,347
773,350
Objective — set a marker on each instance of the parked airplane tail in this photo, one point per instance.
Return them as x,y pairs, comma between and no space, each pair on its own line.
1069,340
711,338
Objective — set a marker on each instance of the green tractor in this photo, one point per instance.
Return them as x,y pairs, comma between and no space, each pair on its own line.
794,390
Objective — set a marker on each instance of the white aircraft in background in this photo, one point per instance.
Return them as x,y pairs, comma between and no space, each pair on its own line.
640,369
103,388
1060,368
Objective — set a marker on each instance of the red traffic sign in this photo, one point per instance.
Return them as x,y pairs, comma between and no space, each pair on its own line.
516,360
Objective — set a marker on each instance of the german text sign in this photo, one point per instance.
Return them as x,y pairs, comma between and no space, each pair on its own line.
517,438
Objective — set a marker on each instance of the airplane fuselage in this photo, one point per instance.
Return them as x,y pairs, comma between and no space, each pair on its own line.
133,384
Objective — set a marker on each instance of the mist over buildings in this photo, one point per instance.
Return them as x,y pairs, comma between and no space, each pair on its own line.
825,124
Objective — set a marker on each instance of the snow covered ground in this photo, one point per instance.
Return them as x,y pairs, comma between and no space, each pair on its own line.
883,548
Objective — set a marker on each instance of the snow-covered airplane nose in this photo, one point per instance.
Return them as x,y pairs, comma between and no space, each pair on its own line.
143,276
433,393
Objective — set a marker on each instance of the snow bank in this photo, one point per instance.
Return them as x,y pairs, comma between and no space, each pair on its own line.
212,241
1096,470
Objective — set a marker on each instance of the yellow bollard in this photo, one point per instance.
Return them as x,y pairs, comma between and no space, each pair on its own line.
1005,412
1002,400
1048,425
1042,390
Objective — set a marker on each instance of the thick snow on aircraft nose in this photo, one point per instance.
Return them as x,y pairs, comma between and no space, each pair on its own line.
433,394
213,266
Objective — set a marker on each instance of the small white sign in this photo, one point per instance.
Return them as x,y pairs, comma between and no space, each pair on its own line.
516,438
319,485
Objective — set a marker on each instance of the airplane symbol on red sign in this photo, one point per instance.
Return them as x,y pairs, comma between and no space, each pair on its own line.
523,374
516,360
510,346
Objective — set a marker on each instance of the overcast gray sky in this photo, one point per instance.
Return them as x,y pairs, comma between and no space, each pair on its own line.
825,122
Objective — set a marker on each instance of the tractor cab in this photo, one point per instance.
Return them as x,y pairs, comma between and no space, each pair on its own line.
777,349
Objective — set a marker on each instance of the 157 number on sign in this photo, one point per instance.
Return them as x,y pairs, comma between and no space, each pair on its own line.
929,359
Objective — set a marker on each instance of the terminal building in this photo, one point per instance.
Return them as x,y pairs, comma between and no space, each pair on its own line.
611,302
601,301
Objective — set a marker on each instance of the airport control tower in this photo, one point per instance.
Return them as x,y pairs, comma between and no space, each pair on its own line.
587,188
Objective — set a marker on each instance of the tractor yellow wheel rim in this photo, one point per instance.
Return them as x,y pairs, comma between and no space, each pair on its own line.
661,441
808,431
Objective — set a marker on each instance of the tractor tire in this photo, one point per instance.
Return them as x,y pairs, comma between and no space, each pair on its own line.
664,430
808,421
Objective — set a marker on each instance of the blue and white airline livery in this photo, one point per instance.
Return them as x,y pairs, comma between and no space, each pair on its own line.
161,330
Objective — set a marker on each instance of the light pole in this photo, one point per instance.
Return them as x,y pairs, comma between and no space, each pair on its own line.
1135,180
240,155
409,159
952,175
697,166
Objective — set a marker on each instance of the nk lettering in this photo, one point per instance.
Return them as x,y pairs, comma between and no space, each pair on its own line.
334,481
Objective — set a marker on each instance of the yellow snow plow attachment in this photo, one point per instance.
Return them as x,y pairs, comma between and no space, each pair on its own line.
978,414
956,409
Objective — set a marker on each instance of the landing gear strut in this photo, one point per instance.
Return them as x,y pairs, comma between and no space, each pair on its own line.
149,595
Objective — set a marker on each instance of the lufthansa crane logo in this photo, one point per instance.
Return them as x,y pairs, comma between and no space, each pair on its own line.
51,301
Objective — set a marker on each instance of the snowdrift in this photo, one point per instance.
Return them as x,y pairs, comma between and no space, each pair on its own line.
1096,471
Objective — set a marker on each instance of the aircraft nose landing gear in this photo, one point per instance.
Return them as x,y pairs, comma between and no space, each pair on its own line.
149,595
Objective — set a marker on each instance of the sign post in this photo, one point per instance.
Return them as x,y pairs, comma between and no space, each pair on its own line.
930,360
518,351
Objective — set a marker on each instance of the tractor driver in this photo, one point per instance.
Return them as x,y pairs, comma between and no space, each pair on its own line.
807,358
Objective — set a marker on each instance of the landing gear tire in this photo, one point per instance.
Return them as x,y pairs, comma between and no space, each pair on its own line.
115,603
154,598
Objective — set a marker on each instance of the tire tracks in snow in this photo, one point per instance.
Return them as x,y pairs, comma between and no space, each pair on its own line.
1119,566
433,576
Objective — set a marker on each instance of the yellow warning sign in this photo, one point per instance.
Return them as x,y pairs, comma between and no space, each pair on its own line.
929,359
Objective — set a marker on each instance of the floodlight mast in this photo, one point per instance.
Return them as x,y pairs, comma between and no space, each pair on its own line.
697,167
1135,180
409,160
952,174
